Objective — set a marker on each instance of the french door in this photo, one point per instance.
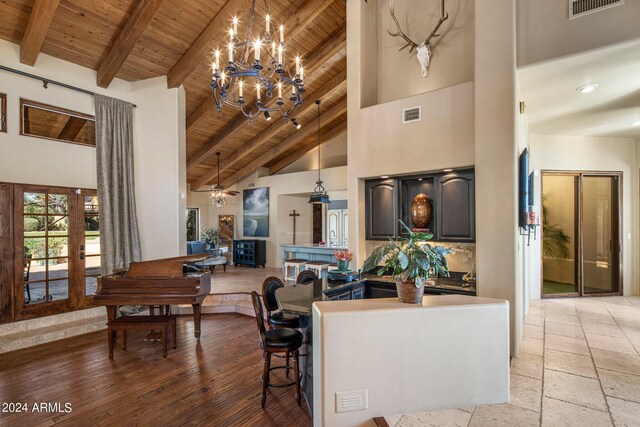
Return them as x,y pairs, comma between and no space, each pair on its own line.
581,250
52,237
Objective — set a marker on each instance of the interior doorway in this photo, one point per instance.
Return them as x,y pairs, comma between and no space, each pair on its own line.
581,223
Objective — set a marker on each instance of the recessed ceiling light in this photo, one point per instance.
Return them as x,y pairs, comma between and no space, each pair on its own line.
635,123
588,88
447,170
384,176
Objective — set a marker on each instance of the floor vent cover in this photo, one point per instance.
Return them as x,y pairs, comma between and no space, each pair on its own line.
413,114
579,8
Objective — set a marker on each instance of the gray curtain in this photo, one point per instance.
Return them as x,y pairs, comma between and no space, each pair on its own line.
119,238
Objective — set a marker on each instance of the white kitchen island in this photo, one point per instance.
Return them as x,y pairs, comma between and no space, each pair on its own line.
378,357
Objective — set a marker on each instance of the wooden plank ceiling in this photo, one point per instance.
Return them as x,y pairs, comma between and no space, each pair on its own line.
140,39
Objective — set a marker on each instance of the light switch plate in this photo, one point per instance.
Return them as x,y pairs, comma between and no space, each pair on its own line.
348,401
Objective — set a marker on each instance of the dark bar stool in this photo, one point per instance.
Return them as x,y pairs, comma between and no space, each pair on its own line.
306,276
277,319
280,340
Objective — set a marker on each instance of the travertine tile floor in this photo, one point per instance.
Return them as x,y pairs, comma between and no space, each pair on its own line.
579,366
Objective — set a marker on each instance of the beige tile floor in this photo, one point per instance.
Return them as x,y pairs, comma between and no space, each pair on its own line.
580,366
240,279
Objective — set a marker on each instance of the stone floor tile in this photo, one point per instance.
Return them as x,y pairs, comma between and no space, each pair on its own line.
620,385
534,319
586,316
614,361
568,344
528,365
621,345
532,346
504,415
574,389
624,413
533,331
569,362
602,329
526,392
443,417
558,413
574,331
566,319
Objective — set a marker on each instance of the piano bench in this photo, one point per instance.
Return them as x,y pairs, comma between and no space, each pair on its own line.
125,323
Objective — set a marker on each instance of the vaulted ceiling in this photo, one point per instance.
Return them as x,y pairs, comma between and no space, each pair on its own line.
140,39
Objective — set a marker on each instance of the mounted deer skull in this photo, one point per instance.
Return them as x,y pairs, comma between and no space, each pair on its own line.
423,49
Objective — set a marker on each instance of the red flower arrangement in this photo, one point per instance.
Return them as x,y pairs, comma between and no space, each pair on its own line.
343,255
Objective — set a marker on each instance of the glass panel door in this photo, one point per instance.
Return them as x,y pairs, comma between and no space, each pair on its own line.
600,237
45,246
559,232
89,240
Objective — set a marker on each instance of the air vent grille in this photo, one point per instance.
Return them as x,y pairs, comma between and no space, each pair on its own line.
410,115
579,8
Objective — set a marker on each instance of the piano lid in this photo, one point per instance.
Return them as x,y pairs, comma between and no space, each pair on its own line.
166,267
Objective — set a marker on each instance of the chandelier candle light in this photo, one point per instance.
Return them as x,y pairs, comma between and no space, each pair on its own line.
269,72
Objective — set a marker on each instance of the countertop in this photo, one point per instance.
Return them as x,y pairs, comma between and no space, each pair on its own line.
299,299
307,246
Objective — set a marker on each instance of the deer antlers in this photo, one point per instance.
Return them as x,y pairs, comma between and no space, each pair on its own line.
410,43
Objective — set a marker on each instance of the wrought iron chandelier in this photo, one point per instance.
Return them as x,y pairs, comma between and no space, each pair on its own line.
319,194
268,74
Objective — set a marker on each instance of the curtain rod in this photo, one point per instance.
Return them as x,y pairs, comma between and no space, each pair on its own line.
46,82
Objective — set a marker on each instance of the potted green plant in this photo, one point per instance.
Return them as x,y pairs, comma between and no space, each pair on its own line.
411,260
210,236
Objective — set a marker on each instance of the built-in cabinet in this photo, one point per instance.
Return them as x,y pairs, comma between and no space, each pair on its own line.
455,213
452,195
357,291
381,200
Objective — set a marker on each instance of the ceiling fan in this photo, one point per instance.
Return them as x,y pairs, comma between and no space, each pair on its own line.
217,192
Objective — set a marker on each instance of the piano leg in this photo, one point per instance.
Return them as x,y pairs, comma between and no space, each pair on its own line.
112,311
196,320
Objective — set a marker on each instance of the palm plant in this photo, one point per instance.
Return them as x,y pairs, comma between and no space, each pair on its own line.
555,242
410,259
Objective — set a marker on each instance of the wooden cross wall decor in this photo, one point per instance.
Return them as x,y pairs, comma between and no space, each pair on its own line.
294,214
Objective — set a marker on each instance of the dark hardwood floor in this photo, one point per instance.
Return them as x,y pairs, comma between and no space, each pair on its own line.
213,382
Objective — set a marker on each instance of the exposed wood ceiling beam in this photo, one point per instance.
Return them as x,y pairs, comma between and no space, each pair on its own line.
137,23
319,58
325,51
336,83
218,26
298,154
37,28
72,128
198,51
290,142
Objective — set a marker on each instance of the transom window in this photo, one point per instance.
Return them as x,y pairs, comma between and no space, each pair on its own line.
55,123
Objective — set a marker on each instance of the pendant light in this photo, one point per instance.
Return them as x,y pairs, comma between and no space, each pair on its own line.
218,195
319,194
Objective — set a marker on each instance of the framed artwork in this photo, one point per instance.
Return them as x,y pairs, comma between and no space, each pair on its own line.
255,212
225,223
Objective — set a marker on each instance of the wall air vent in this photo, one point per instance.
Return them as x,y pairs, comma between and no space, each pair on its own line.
410,115
578,8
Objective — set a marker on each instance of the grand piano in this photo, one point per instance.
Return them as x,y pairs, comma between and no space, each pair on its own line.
161,282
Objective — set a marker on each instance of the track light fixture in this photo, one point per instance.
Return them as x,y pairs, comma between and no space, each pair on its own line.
296,124
267,116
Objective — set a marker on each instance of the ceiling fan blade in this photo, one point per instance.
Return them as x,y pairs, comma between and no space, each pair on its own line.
232,193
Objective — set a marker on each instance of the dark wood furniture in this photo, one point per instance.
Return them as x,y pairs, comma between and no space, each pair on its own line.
251,253
281,340
125,323
455,214
381,201
357,291
276,317
452,195
306,276
157,282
